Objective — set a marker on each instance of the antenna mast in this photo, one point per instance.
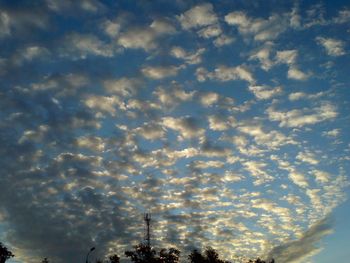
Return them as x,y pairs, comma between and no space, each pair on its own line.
147,218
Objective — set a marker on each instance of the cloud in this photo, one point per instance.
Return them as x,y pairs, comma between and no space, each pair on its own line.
219,123
92,6
300,250
145,37
307,157
187,126
333,47
256,169
209,98
289,57
190,58
331,133
299,179
151,131
302,95
263,56
111,28
103,104
265,92
223,73
173,96
80,46
302,117
200,15
271,139
160,72
321,176
260,29
125,87
210,31
295,73
223,40
18,21
92,143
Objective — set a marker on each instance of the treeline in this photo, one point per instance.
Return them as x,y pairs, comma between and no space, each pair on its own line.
145,254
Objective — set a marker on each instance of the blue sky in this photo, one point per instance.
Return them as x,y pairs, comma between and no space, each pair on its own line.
227,120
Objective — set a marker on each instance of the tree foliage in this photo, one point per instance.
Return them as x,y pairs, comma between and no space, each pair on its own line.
146,254
210,256
5,254
114,259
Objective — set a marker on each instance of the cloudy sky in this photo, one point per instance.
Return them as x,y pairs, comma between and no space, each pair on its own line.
227,120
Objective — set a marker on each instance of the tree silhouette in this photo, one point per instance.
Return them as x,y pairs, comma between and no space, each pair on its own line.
142,254
5,254
45,260
172,255
196,257
210,256
146,254
114,258
258,260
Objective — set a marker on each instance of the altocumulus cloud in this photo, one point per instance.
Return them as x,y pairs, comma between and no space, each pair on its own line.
224,121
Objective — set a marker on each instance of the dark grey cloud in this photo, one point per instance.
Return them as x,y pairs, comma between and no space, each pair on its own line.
299,250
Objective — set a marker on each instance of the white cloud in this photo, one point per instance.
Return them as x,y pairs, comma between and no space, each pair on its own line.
160,72
334,47
287,56
190,58
123,86
210,31
302,95
223,40
200,15
207,164
5,26
299,179
173,96
295,73
256,169
218,123
93,143
271,139
223,73
343,16
209,98
103,104
265,92
82,45
111,28
321,176
331,133
307,157
263,56
302,117
151,131
145,37
186,126
261,29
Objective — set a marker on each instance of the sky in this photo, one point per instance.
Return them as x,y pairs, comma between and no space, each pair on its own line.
228,121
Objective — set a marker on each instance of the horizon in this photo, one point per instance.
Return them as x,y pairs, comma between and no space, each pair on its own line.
225,120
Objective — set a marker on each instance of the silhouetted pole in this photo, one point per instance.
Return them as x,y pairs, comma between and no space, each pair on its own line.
87,255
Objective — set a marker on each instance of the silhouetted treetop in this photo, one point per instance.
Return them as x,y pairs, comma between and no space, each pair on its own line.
114,259
5,254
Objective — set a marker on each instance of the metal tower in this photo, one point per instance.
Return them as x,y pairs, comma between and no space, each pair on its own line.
147,237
